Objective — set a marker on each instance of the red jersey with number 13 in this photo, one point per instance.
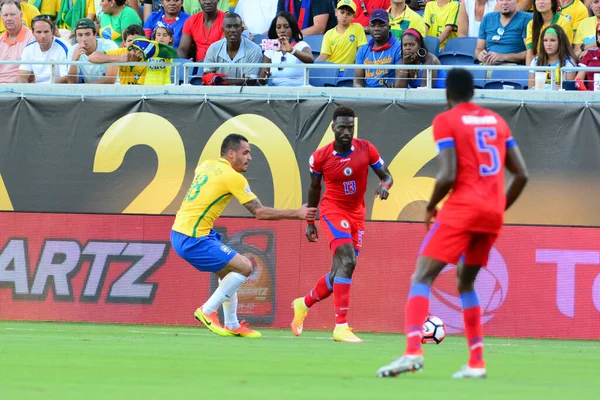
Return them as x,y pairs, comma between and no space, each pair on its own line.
345,176
481,137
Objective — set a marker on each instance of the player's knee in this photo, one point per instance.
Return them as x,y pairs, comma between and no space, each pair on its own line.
245,266
465,286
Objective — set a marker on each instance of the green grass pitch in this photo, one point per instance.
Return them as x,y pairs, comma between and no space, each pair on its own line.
91,361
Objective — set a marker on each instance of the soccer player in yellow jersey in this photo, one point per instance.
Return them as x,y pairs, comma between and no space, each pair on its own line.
441,18
194,239
341,43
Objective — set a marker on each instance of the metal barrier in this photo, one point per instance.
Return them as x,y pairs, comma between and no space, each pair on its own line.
308,67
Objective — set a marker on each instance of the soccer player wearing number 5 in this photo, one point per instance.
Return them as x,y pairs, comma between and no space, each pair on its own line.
344,165
475,145
194,239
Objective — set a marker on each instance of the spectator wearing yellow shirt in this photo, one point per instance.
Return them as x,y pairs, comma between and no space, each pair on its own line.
195,6
68,12
441,17
585,38
28,11
403,18
341,43
46,7
575,11
545,13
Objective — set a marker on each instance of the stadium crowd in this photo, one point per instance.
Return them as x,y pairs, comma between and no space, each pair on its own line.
554,33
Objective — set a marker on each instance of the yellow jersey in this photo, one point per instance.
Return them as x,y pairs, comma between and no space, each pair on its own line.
129,75
342,47
408,19
586,32
47,7
29,12
559,20
215,182
438,18
90,7
157,74
575,13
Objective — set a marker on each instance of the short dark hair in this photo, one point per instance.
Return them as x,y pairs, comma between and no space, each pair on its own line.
233,15
133,29
232,142
15,3
291,19
343,111
459,85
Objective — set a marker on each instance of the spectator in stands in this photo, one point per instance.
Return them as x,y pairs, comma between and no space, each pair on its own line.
414,52
13,41
341,43
318,16
68,12
163,33
28,12
441,18
590,59
203,29
364,8
195,6
87,43
471,14
403,17
575,11
293,50
128,75
556,51
502,35
48,48
115,18
382,49
171,15
545,13
256,14
152,6
586,32
233,49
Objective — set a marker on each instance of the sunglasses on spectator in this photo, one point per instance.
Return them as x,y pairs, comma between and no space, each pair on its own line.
496,38
362,4
282,61
41,17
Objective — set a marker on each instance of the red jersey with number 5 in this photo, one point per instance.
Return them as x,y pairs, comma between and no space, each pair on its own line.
345,176
481,137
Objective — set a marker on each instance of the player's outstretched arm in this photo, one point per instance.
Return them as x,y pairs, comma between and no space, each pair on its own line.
314,195
262,212
386,182
443,181
516,165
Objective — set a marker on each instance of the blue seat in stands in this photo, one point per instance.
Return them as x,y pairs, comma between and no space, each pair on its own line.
323,76
478,77
315,42
181,68
433,44
259,38
346,79
456,59
519,80
569,85
463,45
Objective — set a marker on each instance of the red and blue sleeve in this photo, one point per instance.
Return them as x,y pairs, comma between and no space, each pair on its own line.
510,140
315,164
442,134
375,160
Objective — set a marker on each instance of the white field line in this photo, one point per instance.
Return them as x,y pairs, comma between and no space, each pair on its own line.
173,333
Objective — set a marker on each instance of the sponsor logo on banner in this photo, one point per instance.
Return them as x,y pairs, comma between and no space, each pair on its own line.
491,287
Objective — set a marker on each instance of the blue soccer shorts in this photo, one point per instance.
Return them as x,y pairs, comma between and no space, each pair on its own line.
206,253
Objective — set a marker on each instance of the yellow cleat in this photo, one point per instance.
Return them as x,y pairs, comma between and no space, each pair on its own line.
211,321
343,333
244,331
300,313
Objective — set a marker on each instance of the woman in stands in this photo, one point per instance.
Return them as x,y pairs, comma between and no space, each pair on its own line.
591,58
286,47
414,52
545,13
471,14
555,51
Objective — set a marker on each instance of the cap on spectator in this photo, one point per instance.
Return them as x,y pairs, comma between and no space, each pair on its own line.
347,3
163,25
379,15
85,23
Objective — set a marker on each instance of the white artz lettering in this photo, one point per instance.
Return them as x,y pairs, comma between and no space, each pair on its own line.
474,120
566,262
345,160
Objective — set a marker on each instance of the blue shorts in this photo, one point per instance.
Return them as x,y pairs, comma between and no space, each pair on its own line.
206,253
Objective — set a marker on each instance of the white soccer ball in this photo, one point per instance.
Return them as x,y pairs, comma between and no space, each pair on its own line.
434,330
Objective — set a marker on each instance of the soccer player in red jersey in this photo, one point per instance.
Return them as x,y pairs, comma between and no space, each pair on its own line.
344,165
475,145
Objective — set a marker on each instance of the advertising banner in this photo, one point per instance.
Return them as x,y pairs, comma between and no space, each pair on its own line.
541,281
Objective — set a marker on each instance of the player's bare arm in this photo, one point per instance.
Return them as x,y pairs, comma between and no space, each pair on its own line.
314,195
386,183
516,165
443,182
261,212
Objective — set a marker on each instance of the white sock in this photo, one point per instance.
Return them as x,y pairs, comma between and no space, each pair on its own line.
230,312
229,285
